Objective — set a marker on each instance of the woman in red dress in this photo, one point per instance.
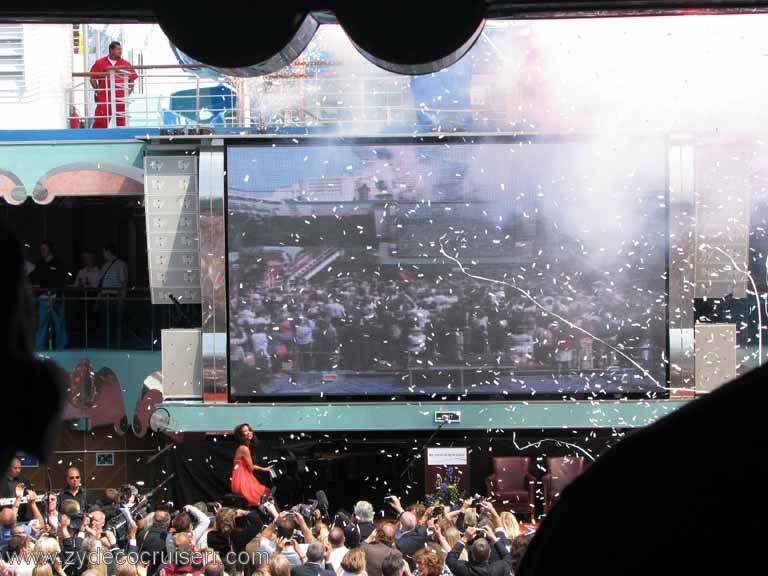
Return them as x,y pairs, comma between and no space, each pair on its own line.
243,480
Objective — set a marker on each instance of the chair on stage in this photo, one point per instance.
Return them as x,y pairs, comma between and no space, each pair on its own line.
561,471
512,486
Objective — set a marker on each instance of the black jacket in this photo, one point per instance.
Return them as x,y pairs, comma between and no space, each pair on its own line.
311,569
151,545
8,487
81,497
50,275
411,542
458,567
355,534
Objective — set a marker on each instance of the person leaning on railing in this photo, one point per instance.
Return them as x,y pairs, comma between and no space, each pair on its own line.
101,83
49,277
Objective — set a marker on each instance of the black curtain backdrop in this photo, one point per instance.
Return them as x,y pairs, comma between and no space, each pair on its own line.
202,471
357,466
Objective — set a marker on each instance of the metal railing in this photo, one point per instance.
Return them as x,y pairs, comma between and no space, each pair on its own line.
313,95
77,318
159,96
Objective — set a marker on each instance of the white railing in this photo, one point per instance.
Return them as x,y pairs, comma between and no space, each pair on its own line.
161,96
308,94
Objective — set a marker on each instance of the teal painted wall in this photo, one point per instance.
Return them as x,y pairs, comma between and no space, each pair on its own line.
31,161
130,367
190,417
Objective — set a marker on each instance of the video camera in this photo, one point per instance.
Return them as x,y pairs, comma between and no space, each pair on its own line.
307,509
76,522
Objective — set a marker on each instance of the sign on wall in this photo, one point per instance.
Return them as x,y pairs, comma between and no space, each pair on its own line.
105,458
446,456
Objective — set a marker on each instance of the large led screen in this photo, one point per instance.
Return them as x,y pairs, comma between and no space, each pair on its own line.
447,267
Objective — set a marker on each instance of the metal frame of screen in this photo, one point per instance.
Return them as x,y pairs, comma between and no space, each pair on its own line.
410,140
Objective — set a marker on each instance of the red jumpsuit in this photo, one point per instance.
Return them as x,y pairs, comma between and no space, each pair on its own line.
104,92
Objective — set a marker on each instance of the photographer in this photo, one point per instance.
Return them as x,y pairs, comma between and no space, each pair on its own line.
151,540
479,543
71,536
412,536
182,525
362,527
279,537
491,522
379,545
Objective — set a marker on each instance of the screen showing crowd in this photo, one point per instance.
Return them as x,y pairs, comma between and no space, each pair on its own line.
447,267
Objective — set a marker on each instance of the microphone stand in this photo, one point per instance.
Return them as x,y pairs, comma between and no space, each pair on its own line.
409,467
180,309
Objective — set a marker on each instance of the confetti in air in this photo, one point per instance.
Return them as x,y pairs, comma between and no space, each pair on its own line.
544,309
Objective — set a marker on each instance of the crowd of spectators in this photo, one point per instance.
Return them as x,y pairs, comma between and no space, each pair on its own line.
358,323
71,534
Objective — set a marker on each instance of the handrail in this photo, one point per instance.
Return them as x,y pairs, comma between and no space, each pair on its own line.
299,95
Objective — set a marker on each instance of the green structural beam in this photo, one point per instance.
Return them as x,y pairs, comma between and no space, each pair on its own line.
197,417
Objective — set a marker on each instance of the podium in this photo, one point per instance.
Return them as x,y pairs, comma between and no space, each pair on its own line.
451,465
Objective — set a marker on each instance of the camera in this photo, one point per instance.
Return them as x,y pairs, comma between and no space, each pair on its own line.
437,512
127,493
76,522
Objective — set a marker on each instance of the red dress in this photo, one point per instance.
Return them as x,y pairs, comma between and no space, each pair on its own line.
246,484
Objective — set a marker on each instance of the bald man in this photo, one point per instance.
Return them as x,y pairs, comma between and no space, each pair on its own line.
74,490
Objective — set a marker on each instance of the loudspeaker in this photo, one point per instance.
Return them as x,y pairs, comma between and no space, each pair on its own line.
715,355
172,207
182,364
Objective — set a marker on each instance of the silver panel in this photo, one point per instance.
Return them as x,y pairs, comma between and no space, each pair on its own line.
172,241
175,278
172,209
170,165
184,202
182,365
172,222
715,355
172,184
170,260
682,264
183,295
723,206
213,272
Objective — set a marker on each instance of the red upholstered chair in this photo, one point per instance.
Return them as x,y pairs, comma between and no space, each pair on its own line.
512,486
561,471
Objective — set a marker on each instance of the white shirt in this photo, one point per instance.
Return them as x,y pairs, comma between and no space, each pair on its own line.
336,556
290,554
114,274
88,277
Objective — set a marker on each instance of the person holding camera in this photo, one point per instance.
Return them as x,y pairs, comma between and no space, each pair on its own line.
379,545
362,527
479,542
182,524
413,537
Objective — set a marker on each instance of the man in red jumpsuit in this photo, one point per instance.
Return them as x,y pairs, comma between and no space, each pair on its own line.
101,84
